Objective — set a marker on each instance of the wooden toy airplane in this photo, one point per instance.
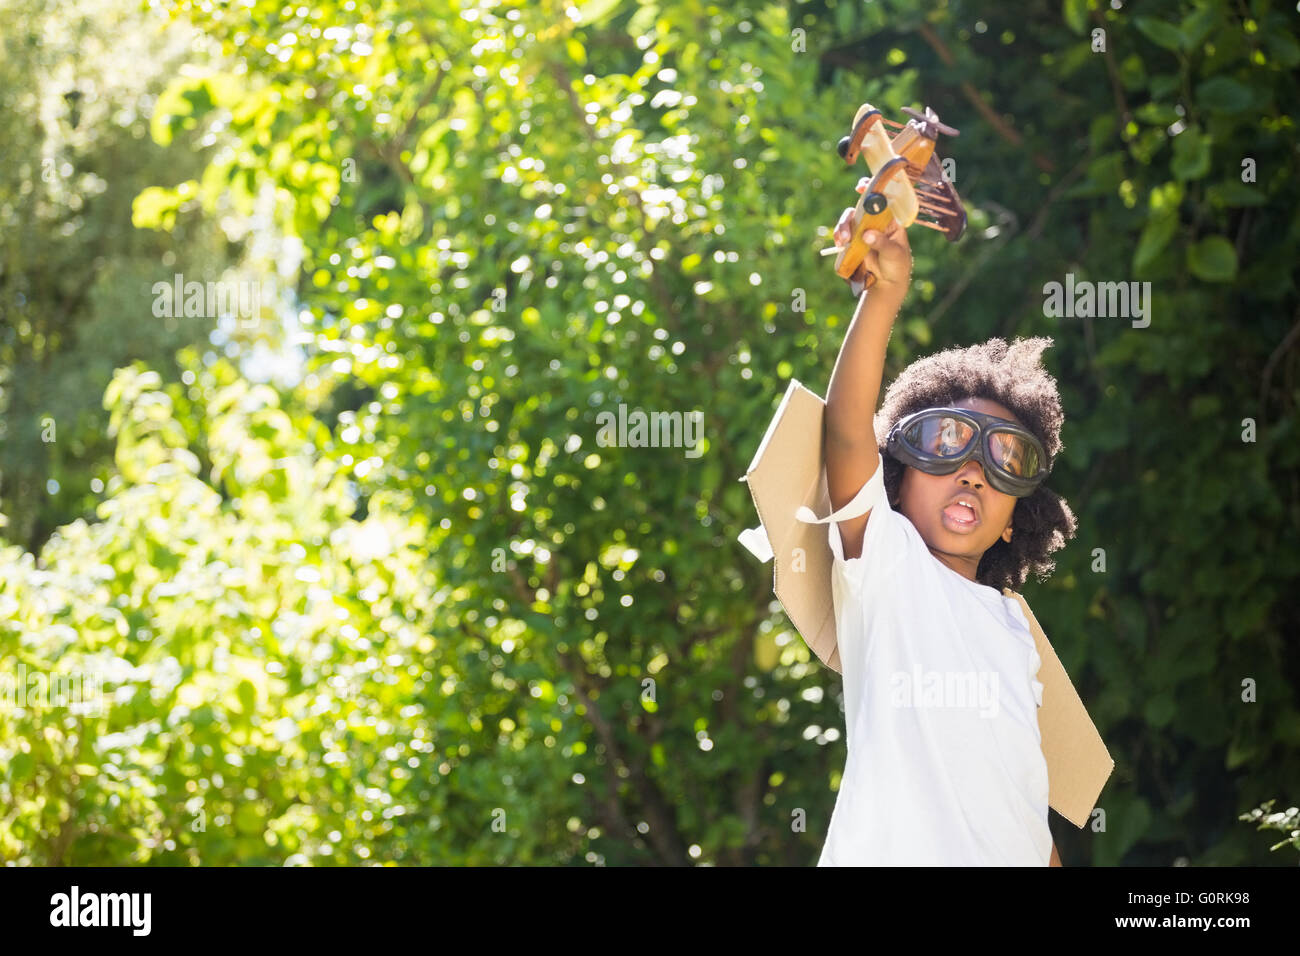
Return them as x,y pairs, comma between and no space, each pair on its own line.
907,182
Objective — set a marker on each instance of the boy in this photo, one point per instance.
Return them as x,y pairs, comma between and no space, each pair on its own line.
924,540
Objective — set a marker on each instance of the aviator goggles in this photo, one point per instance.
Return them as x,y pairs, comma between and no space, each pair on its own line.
938,441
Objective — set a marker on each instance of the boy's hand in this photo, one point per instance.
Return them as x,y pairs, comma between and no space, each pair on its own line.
889,255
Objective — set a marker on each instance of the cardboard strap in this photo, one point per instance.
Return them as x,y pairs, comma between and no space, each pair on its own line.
1078,763
756,540
864,500
759,545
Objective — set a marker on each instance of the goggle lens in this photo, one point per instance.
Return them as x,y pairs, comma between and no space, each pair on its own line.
1012,453
949,437
939,435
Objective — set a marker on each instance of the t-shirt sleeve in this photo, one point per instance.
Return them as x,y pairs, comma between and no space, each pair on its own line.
1035,660
884,541
863,581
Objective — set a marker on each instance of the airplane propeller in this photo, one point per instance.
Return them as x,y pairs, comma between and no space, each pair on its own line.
928,123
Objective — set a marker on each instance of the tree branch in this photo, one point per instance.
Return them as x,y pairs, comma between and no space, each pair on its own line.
1287,343
1000,125
1116,87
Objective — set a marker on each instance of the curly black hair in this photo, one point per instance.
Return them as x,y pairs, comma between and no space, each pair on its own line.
1013,375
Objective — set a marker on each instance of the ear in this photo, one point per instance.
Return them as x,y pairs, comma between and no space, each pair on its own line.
1006,534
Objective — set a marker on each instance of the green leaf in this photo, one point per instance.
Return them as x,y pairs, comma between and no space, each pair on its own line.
844,18
657,755
199,99
1107,171
1076,15
247,696
1213,259
595,12
1191,154
1163,84
1155,236
1160,33
1197,26
1283,47
1224,95
1240,750
1101,129
154,208
1159,710
920,330
20,767
1233,193
1133,822
1158,114
249,819
643,21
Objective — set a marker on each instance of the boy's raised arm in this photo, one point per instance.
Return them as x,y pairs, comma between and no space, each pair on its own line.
851,446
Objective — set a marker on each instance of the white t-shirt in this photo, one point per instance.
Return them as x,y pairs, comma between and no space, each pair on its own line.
945,762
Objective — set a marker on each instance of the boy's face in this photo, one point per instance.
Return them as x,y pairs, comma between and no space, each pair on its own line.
927,501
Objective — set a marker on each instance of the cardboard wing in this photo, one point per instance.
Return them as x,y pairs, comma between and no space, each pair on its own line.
787,472
1078,763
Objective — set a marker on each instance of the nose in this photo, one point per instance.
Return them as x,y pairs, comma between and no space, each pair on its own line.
970,472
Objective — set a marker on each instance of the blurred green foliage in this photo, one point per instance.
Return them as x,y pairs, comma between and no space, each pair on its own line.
77,81
410,611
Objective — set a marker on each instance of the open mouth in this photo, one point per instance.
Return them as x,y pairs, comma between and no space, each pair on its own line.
960,517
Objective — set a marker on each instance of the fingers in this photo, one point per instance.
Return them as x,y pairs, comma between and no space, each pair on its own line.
897,233
844,228
870,261
889,243
844,231
878,241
